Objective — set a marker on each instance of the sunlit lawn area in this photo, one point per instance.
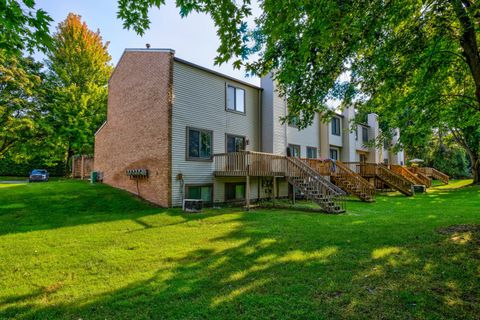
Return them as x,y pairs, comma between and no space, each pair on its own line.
73,250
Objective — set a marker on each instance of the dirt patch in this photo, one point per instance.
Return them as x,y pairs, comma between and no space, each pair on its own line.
459,228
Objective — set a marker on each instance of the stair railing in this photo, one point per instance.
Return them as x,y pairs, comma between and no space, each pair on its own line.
401,170
296,168
395,179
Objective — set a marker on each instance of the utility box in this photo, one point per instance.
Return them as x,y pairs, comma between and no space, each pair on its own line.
93,177
418,188
192,205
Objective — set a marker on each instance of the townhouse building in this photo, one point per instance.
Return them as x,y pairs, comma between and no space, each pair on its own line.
175,122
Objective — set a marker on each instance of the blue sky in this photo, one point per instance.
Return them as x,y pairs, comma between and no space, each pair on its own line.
193,38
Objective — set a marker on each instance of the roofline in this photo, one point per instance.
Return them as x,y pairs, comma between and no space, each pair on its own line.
168,50
216,73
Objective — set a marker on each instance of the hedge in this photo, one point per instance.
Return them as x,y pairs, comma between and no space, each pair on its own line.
8,167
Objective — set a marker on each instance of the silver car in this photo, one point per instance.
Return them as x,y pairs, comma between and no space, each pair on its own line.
38,175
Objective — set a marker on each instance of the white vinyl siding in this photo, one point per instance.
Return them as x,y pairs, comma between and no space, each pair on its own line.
199,101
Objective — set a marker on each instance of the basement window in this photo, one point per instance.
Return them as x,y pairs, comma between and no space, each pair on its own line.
200,192
235,191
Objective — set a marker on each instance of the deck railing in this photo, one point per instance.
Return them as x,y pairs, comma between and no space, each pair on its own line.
249,163
365,169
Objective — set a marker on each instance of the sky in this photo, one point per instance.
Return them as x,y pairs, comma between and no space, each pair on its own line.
193,38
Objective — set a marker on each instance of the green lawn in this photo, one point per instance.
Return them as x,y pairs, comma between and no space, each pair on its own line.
72,250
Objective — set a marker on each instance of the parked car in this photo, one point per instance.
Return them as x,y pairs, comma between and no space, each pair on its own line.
38,175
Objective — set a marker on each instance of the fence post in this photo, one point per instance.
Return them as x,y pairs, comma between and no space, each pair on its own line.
82,168
73,166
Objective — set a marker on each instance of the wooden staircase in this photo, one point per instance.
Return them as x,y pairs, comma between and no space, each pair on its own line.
436,174
315,187
407,174
431,173
426,181
382,175
394,180
345,178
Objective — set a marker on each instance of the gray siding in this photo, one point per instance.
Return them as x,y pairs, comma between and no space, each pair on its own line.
199,102
308,137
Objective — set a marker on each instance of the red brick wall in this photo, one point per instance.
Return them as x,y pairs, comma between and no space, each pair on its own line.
137,134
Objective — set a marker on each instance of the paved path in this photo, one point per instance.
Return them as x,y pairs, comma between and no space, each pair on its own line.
13,181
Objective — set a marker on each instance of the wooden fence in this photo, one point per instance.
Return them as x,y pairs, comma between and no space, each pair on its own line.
82,166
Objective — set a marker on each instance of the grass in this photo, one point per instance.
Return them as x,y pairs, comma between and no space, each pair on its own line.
72,250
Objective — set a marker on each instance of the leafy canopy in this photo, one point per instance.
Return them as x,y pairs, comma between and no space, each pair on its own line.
22,27
79,69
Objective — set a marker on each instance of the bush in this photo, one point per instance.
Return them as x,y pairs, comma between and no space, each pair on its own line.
9,167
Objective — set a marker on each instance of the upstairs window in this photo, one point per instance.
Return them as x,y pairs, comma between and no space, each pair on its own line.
199,144
364,134
311,153
235,99
336,126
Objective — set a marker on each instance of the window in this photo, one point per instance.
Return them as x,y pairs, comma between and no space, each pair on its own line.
203,192
199,144
235,143
311,153
336,126
334,154
293,151
234,191
386,144
235,99
364,134
356,133
363,158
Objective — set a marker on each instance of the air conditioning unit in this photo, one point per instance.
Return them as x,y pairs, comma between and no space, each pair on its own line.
192,205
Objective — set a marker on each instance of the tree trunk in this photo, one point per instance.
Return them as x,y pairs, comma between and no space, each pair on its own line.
475,169
67,161
468,41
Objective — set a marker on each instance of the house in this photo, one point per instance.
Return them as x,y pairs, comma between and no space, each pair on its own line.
179,124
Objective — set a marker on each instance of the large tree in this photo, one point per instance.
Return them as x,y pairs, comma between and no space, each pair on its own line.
79,69
22,117
416,62
22,27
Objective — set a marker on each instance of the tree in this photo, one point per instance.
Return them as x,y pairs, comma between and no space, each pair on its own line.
416,63
79,69
21,108
22,27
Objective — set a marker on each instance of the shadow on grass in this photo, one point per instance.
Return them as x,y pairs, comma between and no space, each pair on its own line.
269,265
64,203
290,271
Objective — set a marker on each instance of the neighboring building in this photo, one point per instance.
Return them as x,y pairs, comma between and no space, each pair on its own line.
170,116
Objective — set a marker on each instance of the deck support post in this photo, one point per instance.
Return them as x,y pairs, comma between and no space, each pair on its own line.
247,190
